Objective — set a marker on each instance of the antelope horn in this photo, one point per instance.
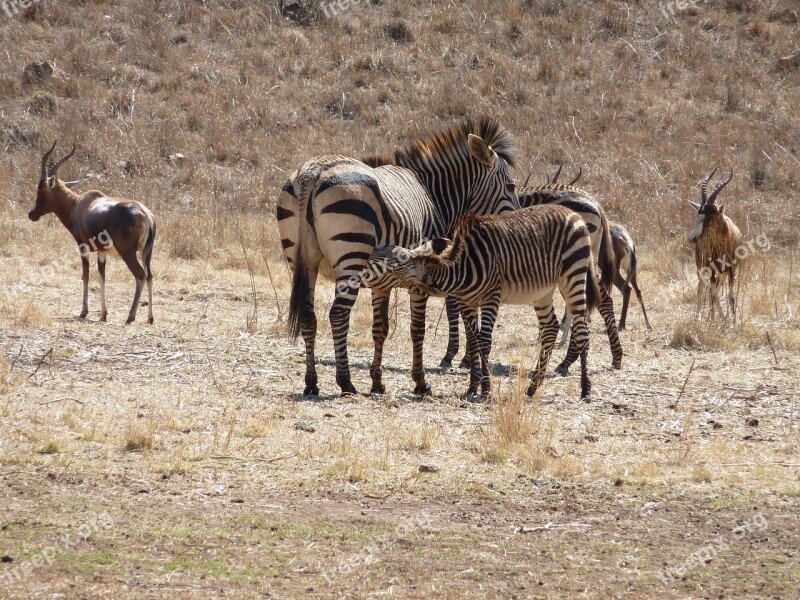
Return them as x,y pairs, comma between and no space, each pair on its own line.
719,188
578,176
555,177
61,161
703,185
47,154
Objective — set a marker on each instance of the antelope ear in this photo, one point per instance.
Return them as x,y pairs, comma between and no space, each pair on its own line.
438,245
481,151
51,182
71,184
721,209
695,205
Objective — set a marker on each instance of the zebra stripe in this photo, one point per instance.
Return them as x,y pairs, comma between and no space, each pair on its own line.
341,209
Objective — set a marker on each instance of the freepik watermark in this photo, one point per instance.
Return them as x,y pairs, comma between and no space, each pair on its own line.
740,253
668,9
334,7
368,555
68,541
677,289
48,272
13,7
708,552
376,268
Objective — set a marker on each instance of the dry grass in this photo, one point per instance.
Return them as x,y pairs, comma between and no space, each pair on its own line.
206,400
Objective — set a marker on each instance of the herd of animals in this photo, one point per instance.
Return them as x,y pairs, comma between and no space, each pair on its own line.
440,216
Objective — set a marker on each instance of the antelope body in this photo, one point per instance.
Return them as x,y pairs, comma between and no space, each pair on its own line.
625,261
100,224
716,240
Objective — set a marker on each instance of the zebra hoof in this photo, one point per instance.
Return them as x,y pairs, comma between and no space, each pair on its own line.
617,365
378,388
464,364
474,396
150,320
446,364
423,389
311,391
562,370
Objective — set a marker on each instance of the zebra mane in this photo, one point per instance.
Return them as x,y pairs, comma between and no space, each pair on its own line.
442,143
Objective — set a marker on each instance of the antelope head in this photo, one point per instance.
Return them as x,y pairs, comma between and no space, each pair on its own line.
49,192
707,207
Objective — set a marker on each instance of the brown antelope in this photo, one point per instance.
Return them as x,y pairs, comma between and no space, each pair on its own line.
625,260
99,224
716,242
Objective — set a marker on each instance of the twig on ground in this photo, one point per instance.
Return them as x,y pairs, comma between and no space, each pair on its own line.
775,356
41,362
82,403
685,381
256,459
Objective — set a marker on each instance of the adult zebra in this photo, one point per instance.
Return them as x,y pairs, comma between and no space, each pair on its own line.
581,203
341,209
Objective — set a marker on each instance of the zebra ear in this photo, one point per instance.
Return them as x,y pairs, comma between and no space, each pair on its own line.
695,205
481,151
438,245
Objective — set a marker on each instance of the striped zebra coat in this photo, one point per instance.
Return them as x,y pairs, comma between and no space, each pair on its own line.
596,223
340,209
512,258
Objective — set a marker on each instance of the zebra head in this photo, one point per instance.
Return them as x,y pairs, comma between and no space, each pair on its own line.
415,268
493,182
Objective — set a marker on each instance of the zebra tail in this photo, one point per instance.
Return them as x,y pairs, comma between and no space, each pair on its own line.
592,292
606,258
297,301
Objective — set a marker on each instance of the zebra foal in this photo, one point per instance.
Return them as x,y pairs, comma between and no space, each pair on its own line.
513,258
593,216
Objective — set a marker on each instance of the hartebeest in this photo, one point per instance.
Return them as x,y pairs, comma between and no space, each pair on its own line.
716,243
99,224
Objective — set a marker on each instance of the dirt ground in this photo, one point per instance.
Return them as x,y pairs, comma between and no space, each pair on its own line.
177,460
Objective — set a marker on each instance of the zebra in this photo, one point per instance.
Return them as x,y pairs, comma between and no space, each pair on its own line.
595,220
625,259
512,258
340,209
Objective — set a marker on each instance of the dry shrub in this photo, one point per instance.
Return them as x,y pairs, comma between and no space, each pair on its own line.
139,434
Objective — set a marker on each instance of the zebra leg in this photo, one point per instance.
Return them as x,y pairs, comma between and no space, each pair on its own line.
580,332
565,327
488,318
606,309
308,329
473,348
465,360
548,332
453,310
339,317
380,329
418,303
